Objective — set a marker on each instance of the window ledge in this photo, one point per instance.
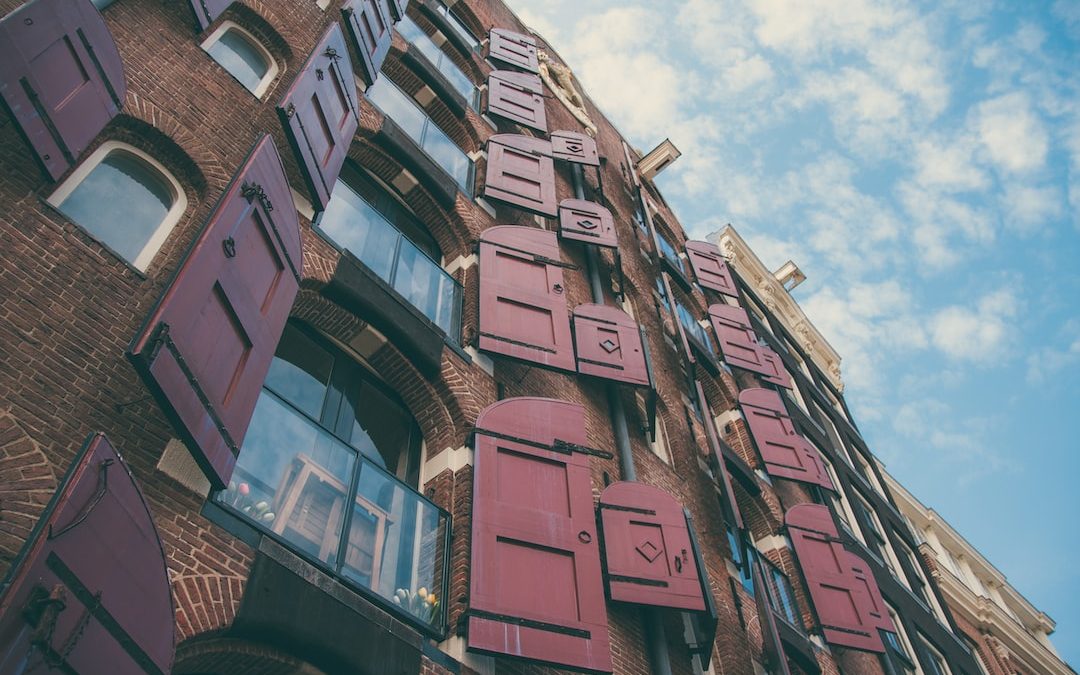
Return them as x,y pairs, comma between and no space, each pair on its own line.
441,184
415,60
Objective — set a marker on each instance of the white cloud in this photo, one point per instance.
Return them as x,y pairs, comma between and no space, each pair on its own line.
978,335
1012,133
947,164
1027,207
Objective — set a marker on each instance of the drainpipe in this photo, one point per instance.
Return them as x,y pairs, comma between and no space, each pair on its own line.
655,638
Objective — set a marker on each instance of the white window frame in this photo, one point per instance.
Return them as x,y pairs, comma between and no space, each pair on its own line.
839,499
272,68
904,641
153,244
934,651
660,446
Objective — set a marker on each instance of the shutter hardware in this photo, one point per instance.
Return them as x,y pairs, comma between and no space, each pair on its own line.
558,445
43,115
252,190
519,343
535,256
84,513
637,580
97,66
601,364
290,112
529,623
628,509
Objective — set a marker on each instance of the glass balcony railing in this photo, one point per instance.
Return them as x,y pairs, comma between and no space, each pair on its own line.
670,254
337,507
416,36
694,330
781,595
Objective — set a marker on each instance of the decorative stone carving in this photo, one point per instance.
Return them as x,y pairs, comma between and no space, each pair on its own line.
560,80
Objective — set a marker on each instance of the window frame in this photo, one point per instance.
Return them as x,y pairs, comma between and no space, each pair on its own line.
157,239
272,67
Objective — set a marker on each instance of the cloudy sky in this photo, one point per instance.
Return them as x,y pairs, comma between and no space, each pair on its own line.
921,163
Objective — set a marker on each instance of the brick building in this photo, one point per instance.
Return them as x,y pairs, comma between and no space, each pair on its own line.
264,259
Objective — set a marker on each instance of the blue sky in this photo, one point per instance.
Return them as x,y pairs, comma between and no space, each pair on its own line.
921,163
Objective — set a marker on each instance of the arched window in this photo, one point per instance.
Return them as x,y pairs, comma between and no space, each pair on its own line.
125,199
241,54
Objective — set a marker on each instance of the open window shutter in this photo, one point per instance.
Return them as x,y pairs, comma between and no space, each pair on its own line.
738,341
778,374
588,222
96,550
206,11
523,310
786,453
370,28
574,147
205,349
876,612
608,344
648,549
536,590
841,601
513,49
520,172
710,268
518,97
320,116
60,76
397,9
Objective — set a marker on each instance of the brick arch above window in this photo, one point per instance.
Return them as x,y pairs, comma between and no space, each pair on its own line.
469,137
24,495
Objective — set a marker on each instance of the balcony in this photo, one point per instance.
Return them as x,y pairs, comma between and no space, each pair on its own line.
676,266
450,78
698,338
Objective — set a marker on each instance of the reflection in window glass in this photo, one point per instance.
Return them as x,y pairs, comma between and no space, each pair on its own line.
458,27
454,75
244,61
102,4
300,373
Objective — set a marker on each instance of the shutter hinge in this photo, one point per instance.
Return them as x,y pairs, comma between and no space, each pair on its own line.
252,191
84,513
529,623
558,445
161,334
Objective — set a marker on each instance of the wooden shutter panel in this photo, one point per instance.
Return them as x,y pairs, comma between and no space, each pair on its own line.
513,49
778,374
397,9
521,173
738,341
842,604
786,453
96,549
876,611
523,310
574,147
370,28
207,11
586,221
206,347
648,549
710,267
608,343
536,590
518,97
320,116
60,76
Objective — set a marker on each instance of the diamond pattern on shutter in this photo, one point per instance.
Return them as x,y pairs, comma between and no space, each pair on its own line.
61,77
710,267
536,590
320,116
513,49
96,547
738,341
778,374
369,27
206,11
521,173
786,453
586,221
837,587
574,147
648,548
207,346
518,97
523,310
608,344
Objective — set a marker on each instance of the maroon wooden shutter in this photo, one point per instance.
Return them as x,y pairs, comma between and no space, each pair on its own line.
588,222
513,49
841,601
574,147
647,548
206,11
371,32
738,341
97,551
60,76
520,172
876,611
608,344
523,310
518,97
786,453
710,267
208,344
320,116
778,374
536,590
397,9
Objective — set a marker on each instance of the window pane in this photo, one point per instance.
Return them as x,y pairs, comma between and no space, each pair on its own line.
122,202
300,371
458,27
418,38
379,427
241,58
355,225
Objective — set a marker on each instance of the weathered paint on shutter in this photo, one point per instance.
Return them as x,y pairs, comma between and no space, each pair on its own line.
205,349
608,344
647,548
370,28
96,550
520,172
786,453
840,599
523,310
778,374
575,147
513,49
319,113
588,222
710,267
518,97
60,76
397,9
207,11
535,590
738,341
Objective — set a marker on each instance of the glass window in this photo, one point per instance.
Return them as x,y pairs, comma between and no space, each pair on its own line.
125,199
102,4
669,253
411,119
329,466
740,558
238,52
454,75
694,330
458,26
781,595
932,659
